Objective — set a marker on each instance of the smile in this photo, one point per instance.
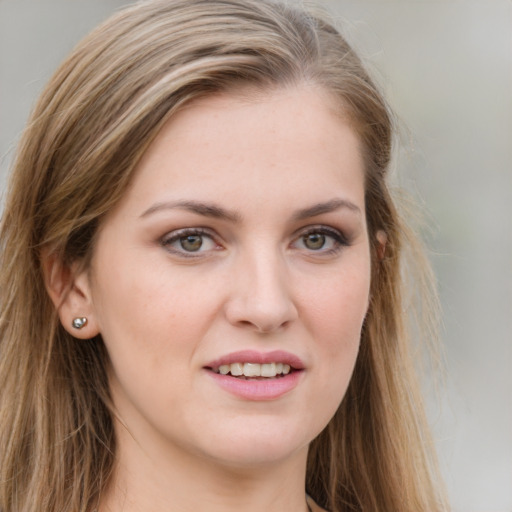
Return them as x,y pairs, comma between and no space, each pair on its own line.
255,376
269,370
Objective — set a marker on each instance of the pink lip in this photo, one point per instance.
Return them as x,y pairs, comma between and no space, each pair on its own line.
252,356
256,389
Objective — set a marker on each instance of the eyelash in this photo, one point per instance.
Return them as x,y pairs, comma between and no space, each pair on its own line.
181,234
338,238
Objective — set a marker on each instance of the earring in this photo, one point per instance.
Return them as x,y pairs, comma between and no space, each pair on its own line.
78,323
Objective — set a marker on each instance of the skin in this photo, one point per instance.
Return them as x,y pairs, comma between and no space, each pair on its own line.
263,279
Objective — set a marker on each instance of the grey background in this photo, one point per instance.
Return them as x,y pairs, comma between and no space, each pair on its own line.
446,67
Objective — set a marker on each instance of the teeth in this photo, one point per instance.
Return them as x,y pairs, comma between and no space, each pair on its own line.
237,369
224,369
268,370
254,369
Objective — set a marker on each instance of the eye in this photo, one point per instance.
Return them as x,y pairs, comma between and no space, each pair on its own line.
320,239
314,241
189,242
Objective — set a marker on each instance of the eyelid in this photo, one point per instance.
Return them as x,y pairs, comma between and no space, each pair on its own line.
339,238
175,235
325,230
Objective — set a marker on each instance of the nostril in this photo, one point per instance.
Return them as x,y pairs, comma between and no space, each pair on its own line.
261,319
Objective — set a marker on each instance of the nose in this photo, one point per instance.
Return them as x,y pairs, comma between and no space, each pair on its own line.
260,297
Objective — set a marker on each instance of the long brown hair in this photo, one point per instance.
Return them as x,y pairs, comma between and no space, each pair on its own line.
93,122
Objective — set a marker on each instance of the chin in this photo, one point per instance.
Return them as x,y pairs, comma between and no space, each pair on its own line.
257,457
258,445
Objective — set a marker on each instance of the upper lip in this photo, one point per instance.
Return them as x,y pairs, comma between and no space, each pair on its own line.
253,356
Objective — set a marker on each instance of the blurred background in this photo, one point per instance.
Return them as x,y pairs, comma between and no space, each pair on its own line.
446,68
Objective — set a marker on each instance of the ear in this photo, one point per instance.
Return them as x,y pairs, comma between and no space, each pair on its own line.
70,291
382,240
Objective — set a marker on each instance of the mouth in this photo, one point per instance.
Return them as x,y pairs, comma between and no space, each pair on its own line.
254,371
257,376
253,366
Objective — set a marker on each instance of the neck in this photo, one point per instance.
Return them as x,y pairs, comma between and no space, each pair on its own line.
172,479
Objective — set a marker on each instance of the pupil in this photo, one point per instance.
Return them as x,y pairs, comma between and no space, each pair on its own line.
314,241
191,242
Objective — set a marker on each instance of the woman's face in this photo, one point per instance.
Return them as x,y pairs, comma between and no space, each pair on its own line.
241,247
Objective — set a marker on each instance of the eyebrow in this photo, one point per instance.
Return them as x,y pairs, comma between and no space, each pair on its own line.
213,210
198,207
327,207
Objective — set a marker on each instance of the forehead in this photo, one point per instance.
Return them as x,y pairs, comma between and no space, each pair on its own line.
271,143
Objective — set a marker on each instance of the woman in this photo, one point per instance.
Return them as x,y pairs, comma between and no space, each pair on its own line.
201,293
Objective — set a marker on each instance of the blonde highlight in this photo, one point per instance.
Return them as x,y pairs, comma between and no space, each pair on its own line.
91,126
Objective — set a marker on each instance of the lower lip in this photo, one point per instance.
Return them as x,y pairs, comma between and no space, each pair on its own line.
268,389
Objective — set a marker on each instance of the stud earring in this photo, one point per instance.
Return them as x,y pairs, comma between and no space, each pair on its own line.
78,323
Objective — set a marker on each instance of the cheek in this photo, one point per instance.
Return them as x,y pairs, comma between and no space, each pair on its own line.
151,331
149,316
335,318
338,309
